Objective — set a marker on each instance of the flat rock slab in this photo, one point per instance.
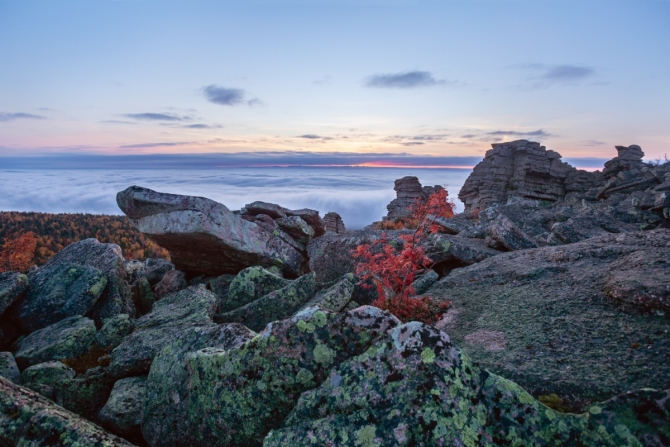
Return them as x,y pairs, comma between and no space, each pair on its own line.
249,285
67,339
28,419
274,306
336,297
203,236
12,286
187,308
557,328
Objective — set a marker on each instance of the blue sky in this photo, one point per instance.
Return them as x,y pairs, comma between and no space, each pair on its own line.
407,78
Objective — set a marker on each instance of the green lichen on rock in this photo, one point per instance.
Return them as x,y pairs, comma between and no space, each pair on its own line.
274,306
249,285
12,286
30,420
67,339
336,297
122,414
8,367
113,331
43,377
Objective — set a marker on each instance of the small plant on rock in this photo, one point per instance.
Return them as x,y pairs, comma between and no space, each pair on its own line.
393,267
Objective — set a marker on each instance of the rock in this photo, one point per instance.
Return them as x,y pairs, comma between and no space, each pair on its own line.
122,414
172,281
426,280
155,269
203,236
336,297
8,334
69,338
273,210
249,285
453,225
506,233
59,290
449,252
187,308
629,158
273,306
408,192
113,331
86,394
297,228
334,223
586,224
12,286
312,218
44,377
29,419
564,334
220,286
166,397
144,295
330,255
8,367
108,258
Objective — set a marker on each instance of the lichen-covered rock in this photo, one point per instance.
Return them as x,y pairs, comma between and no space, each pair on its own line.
234,397
12,286
426,280
312,218
333,223
30,420
166,395
297,228
249,285
143,295
44,377
273,306
506,232
69,338
113,331
59,290
203,236
8,367
336,297
187,308
270,209
116,297
173,281
586,224
86,393
155,269
122,414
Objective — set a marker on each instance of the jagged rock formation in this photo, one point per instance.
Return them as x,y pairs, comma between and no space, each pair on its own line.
334,223
408,192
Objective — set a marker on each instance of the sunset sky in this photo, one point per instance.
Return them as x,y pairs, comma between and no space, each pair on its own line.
326,82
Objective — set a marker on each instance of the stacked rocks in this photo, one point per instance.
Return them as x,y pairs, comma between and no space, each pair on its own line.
408,192
334,223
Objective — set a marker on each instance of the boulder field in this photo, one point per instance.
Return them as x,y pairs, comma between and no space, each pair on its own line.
257,333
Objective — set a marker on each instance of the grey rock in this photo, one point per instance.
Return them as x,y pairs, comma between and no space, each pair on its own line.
297,228
334,223
336,297
166,397
249,285
203,236
220,286
187,308
86,394
59,290
586,224
8,334
28,419
312,218
12,286
271,209
45,377
144,295
426,280
122,414
173,281
629,157
274,306
155,269
450,252
408,193
504,231
455,225
9,368
113,331
67,339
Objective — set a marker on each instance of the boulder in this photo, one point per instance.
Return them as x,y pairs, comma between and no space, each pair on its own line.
182,310
586,224
426,280
336,297
59,290
113,332
203,236
45,377
629,157
273,306
155,269
173,281
9,368
69,338
29,419
220,286
166,397
557,320
409,192
122,414
86,394
312,218
297,228
334,223
270,209
144,296
12,286
249,285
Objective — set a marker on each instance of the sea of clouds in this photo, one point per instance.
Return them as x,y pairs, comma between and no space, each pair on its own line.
359,195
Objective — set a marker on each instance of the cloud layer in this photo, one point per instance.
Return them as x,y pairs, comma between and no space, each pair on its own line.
17,116
410,79
148,116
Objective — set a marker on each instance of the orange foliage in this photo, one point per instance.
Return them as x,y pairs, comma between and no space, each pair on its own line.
18,252
393,270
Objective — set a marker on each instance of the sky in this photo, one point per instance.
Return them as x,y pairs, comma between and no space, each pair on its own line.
416,83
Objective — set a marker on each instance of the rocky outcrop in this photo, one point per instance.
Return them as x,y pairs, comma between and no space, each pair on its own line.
334,223
12,286
8,367
26,418
173,281
408,193
204,237
584,321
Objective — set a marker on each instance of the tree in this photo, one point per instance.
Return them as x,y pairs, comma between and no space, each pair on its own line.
393,269
18,252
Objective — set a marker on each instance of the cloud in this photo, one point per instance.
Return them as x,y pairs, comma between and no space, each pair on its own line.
117,122
565,74
17,116
593,143
145,145
534,133
228,96
468,136
410,79
413,143
148,116
430,137
311,136
202,126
